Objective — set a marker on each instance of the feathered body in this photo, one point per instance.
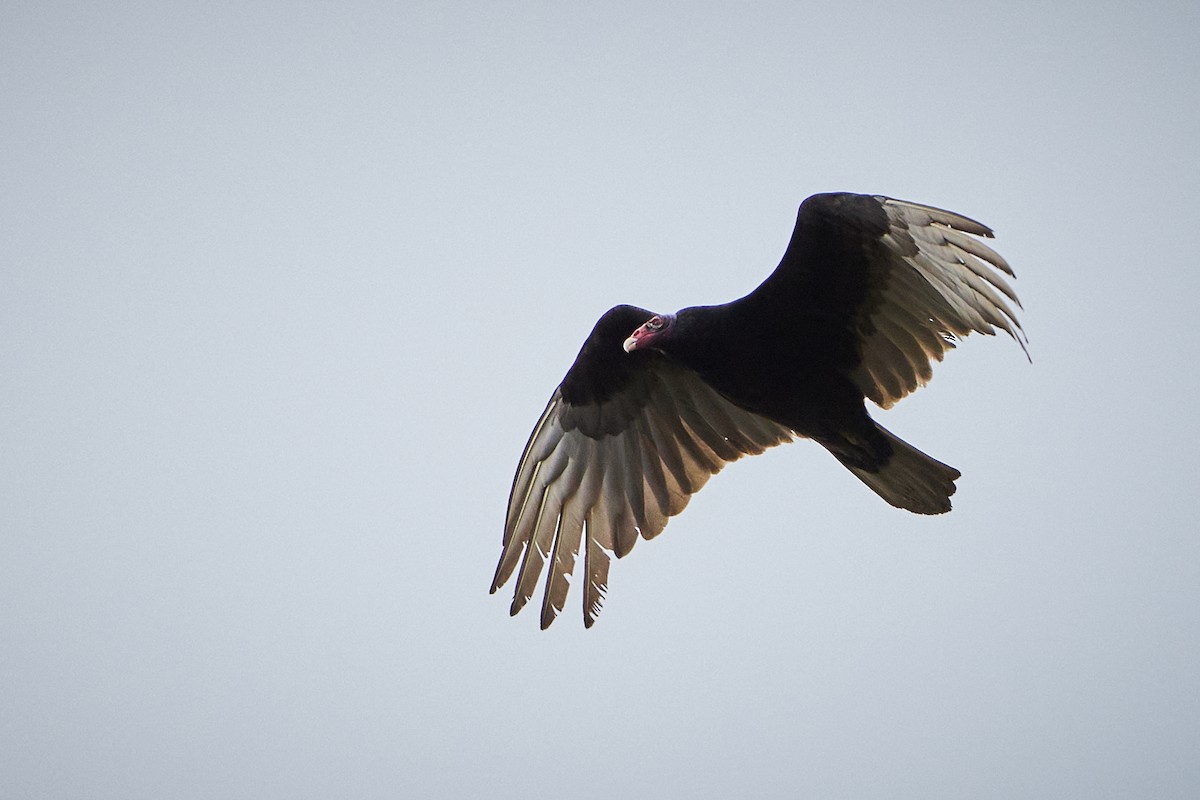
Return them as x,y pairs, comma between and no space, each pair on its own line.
869,291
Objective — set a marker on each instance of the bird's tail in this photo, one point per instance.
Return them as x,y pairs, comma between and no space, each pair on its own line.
908,478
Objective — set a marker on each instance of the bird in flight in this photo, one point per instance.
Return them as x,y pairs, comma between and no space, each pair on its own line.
869,292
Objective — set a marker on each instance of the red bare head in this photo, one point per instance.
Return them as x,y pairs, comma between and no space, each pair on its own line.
643,338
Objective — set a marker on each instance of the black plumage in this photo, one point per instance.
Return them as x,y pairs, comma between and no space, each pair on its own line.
869,292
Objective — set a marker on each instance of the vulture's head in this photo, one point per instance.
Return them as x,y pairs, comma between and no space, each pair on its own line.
652,335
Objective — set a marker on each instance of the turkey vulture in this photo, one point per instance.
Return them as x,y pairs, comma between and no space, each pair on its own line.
869,291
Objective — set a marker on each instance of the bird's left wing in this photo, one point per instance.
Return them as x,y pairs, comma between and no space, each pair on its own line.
624,442
903,280
938,282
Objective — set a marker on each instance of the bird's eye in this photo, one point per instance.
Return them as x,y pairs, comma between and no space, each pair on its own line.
655,323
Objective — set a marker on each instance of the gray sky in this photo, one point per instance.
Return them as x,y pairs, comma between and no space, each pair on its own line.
284,288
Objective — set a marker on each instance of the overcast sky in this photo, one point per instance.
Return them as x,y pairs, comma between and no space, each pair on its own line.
284,287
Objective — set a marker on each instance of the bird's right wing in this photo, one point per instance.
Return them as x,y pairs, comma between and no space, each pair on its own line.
624,442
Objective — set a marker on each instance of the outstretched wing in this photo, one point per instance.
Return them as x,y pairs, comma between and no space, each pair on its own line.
624,442
904,279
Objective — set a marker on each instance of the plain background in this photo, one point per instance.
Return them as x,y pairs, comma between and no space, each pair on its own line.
284,286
